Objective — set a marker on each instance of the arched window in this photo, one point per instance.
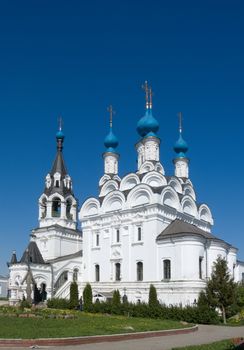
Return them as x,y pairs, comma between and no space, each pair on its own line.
200,266
75,275
56,183
117,236
139,233
167,270
117,271
97,240
56,207
139,270
68,209
97,273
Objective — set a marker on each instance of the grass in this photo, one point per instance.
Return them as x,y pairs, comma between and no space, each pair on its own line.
219,345
84,324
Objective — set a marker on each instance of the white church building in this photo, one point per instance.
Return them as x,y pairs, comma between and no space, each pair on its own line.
144,228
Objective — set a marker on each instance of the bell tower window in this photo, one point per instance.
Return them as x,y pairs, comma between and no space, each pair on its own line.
56,207
56,183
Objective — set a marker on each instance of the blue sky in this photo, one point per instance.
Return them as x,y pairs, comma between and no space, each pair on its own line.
74,58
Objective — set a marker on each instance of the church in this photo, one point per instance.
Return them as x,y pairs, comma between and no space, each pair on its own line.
144,228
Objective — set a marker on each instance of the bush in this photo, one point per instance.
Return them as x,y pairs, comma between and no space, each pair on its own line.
153,299
116,303
56,303
87,297
190,314
24,304
74,295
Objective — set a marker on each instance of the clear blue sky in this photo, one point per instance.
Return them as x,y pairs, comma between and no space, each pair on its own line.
74,58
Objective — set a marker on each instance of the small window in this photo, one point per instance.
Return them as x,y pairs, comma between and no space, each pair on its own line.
200,267
57,183
139,234
117,236
167,270
139,268
97,240
97,273
117,272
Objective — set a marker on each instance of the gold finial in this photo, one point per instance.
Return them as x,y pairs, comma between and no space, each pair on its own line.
146,89
180,121
60,123
150,97
111,113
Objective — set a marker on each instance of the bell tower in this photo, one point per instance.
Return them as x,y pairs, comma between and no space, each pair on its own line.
57,234
57,204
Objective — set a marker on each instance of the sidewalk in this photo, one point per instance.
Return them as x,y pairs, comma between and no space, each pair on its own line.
205,334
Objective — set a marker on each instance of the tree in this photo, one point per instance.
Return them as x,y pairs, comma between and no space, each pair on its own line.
87,297
153,299
74,295
116,300
221,289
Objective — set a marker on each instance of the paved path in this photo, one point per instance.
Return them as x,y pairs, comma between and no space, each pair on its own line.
205,334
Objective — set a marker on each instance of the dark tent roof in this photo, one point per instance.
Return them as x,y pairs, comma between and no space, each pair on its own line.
181,227
32,255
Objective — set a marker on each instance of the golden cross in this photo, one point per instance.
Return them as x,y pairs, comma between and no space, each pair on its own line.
146,89
60,123
150,97
180,121
111,113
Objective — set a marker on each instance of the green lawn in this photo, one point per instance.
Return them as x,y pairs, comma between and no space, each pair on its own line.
84,324
219,345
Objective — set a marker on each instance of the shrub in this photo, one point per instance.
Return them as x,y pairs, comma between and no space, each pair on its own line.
116,302
87,297
153,299
56,303
74,295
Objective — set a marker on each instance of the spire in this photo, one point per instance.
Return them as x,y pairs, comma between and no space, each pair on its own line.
180,146
58,176
181,161
111,141
147,125
13,259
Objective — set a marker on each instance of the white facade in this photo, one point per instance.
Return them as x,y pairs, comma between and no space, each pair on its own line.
144,228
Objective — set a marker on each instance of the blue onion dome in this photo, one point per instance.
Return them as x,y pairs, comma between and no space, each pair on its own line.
60,135
147,125
111,141
181,147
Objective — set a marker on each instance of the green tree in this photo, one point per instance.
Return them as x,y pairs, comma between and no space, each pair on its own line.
87,297
240,295
116,300
153,299
221,289
74,295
